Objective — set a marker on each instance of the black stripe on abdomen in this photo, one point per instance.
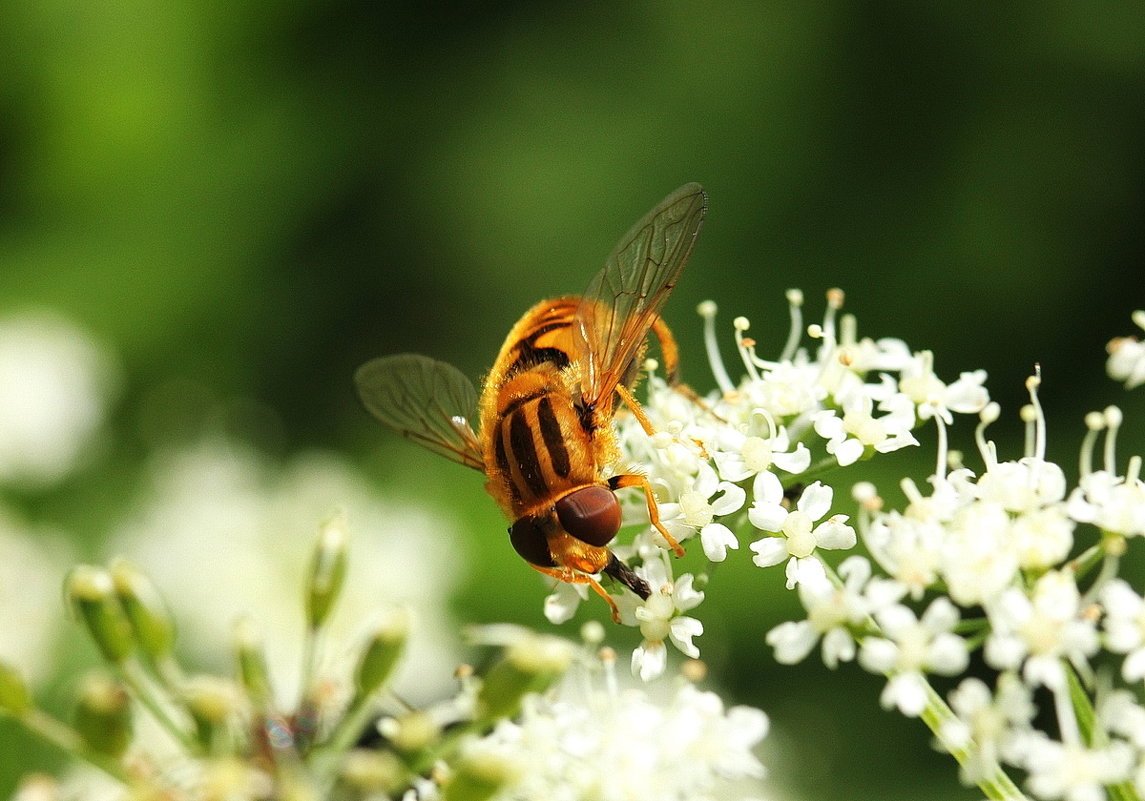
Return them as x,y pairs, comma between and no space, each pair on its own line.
525,454
554,440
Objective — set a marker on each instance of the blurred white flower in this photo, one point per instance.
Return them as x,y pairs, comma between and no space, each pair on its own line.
911,647
55,385
32,567
1127,356
223,534
595,740
1124,624
1034,631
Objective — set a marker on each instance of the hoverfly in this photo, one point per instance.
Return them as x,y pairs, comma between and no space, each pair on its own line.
545,440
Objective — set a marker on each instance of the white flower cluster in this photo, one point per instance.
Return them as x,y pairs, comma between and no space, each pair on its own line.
595,738
1011,561
750,453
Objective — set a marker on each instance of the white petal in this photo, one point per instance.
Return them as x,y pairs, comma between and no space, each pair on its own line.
766,488
878,655
816,500
716,539
730,501
562,604
649,660
907,691
947,655
769,551
682,630
767,516
795,462
828,425
846,452
838,646
792,641
834,534
684,595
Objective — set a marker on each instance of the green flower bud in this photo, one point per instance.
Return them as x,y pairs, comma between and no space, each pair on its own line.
367,773
531,664
91,593
412,732
14,698
382,651
147,612
103,715
327,571
212,703
251,657
479,775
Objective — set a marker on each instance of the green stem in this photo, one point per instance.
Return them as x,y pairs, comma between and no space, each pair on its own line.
132,677
998,786
67,740
1090,732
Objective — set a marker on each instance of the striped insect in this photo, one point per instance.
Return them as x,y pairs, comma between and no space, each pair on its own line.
545,440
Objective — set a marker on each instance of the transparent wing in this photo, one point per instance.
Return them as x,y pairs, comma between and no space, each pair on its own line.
623,300
424,400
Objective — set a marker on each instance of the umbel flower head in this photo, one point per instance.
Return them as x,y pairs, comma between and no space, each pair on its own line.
744,462
1009,560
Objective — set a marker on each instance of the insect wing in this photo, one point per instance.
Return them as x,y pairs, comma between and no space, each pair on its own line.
427,401
623,300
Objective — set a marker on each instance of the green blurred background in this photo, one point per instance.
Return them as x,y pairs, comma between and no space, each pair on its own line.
246,200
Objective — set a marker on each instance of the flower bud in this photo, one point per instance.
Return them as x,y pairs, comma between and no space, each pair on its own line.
146,611
410,733
91,593
14,698
366,773
479,775
530,665
327,571
383,650
103,715
212,703
253,672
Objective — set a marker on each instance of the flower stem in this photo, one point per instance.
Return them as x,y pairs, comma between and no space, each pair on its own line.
66,739
998,786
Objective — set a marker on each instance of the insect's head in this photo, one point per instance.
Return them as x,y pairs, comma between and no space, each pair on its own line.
589,514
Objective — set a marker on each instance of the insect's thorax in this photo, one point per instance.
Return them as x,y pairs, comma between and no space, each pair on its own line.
540,442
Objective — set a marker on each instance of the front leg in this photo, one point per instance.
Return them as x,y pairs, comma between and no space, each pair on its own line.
637,480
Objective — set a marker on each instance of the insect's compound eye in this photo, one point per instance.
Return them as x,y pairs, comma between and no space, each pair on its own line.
591,514
530,543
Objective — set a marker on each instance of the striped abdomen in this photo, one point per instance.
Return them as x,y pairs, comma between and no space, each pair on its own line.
540,452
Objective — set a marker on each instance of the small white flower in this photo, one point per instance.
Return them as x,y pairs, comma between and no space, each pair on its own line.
911,647
1110,502
832,613
697,509
660,618
987,723
1124,625
800,534
1025,485
1073,772
739,457
1127,357
1035,632
848,436
933,397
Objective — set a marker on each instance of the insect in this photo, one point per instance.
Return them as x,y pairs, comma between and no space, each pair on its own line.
545,440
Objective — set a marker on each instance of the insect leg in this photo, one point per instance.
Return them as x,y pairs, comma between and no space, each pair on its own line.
669,353
637,480
572,577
